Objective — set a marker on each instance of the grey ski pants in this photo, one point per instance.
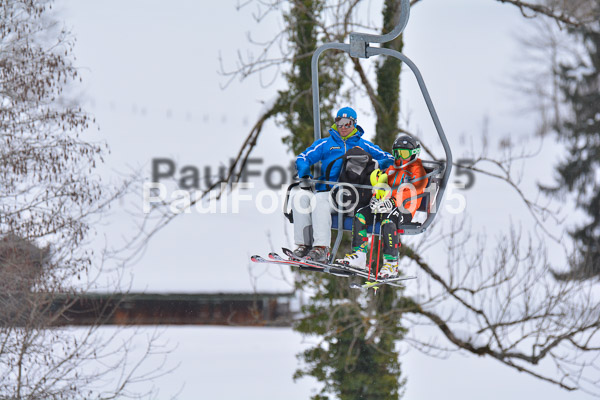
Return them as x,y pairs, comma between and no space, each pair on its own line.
312,209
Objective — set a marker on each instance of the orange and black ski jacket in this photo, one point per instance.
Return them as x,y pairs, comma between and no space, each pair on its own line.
410,173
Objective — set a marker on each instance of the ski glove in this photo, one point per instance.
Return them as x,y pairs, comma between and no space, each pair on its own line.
379,180
385,206
373,203
304,183
375,176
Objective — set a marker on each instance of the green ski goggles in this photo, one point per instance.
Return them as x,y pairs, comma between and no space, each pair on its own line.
405,153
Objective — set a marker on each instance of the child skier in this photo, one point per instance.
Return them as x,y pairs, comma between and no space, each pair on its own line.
407,169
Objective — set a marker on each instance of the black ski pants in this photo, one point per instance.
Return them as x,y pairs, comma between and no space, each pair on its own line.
364,217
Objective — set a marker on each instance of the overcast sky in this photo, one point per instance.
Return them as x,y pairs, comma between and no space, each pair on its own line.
150,72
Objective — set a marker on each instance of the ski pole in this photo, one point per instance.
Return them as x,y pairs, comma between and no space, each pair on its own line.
372,242
378,252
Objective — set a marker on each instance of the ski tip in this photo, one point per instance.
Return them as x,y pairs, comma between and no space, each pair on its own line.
397,279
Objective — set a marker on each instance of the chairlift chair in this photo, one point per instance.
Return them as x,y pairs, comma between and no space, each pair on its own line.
437,172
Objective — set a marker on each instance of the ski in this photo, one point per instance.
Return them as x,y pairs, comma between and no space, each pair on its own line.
259,259
332,269
375,283
345,267
275,259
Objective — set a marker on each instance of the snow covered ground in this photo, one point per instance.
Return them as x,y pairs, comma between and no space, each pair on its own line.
258,363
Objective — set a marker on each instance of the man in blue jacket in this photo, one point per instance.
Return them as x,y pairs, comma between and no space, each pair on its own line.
344,135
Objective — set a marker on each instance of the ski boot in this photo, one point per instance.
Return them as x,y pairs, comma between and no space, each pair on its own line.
302,251
319,254
388,270
357,260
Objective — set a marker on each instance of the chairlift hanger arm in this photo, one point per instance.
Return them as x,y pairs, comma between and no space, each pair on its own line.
359,42
371,51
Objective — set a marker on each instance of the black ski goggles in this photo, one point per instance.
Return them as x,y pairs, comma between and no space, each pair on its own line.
405,153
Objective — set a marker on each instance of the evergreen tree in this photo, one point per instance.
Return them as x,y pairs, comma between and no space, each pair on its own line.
295,104
388,82
356,358
579,170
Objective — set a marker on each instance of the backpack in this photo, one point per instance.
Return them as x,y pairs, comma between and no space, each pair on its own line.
357,166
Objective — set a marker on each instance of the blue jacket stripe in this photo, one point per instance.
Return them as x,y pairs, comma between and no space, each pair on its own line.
306,153
377,149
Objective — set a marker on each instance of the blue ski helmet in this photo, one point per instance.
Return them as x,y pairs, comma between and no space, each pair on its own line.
346,112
